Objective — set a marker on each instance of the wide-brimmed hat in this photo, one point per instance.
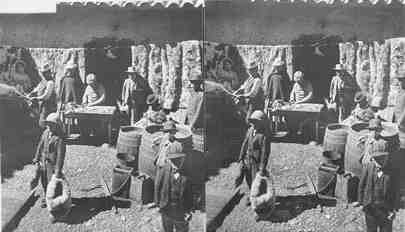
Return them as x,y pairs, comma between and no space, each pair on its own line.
278,63
53,118
360,97
332,155
169,126
252,65
339,67
152,99
197,77
44,68
131,69
70,65
257,115
176,155
227,60
375,124
20,62
91,78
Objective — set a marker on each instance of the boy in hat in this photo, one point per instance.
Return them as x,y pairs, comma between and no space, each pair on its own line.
341,92
251,90
50,154
255,149
45,94
166,145
195,109
134,93
174,194
376,194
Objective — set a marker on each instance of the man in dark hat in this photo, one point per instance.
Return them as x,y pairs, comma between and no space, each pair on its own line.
166,145
255,149
195,109
341,92
134,93
251,91
376,194
174,195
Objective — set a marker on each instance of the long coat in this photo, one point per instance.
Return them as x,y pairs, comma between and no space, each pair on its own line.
256,147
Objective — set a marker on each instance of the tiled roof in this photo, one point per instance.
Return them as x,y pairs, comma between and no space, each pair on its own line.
202,3
134,3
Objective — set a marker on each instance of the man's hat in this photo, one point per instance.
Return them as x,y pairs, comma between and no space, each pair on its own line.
70,65
152,99
176,155
195,78
278,62
375,124
53,118
227,60
338,67
332,155
360,97
169,126
131,69
253,65
257,115
44,68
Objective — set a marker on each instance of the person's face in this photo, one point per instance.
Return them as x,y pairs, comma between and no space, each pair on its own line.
196,85
20,68
298,78
227,66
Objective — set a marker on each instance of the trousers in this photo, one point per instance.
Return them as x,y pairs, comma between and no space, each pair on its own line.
373,224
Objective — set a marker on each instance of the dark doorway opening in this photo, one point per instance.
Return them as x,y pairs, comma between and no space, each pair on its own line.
316,55
108,58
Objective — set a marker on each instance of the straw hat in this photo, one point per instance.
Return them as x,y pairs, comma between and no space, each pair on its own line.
338,67
257,115
53,118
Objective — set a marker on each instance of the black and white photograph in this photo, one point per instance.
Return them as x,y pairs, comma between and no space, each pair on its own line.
202,115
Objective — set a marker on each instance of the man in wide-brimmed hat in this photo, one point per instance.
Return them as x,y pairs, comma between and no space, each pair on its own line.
134,93
154,114
377,194
341,92
251,90
255,149
174,194
194,117
165,145
50,154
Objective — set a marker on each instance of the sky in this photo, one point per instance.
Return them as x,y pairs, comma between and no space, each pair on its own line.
27,6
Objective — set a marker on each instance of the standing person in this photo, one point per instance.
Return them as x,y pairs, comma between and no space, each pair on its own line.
175,195
341,92
228,77
155,113
45,94
69,91
255,149
276,85
376,195
22,80
134,93
167,144
251,90
50,154
195,108
399,111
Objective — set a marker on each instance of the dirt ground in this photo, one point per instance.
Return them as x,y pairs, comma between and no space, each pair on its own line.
288,164
91,211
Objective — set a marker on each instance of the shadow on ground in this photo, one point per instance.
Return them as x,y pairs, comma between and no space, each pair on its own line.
217,222
289,207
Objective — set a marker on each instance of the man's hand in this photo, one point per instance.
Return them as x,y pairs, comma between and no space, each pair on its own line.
188,217
391,216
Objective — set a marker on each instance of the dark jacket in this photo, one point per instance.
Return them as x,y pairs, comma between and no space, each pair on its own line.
51,148
276,87
256,147
369,184
165,190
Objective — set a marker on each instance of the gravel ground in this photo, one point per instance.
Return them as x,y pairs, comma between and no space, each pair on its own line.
83,165
289,163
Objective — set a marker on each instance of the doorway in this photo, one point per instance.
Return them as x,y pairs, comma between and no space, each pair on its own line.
316,55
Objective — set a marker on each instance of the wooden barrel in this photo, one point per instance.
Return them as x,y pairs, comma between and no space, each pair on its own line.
198,139
327,174
129,139
335,138
401,137
353,151
147,153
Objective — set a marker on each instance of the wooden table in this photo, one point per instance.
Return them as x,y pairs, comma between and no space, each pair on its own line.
305,110
102,113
